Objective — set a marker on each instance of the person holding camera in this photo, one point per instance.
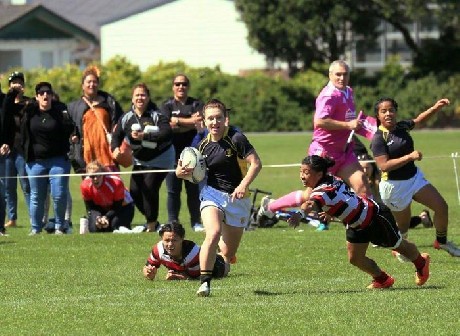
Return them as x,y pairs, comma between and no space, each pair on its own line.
14,104
149,135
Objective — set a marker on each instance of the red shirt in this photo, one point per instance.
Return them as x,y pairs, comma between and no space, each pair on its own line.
111,190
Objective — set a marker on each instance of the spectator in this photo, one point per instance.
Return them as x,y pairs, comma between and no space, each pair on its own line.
108,202
232,164
14,163
394,152
179,256
149,135
95,114
49,222
46,129
4,150
184,113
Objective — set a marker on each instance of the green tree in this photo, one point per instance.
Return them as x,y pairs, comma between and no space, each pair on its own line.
118,77
300,32
439,54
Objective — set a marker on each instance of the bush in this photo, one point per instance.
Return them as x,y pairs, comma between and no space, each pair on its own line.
260,102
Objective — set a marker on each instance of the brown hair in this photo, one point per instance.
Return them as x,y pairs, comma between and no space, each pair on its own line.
95,167
216,103
91,70
181,75
141,86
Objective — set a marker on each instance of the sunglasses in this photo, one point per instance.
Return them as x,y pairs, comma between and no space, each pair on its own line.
42,92
184,84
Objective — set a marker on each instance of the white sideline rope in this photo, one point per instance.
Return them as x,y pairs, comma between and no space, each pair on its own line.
454,157
287,165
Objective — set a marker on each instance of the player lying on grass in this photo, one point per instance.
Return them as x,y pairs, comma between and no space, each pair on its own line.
364,219
179,256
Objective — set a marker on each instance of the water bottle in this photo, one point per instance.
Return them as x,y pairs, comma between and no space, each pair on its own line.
84,228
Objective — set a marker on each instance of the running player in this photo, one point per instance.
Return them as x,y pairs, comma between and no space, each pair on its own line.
402,182
232,164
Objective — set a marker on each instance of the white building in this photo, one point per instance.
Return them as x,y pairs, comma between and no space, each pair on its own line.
391,43
33,36
202,33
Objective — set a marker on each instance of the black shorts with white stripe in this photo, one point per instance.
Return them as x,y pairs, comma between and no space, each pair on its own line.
382,231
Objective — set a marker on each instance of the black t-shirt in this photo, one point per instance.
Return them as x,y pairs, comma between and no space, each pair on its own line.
174,108
225,160
43,128
395,144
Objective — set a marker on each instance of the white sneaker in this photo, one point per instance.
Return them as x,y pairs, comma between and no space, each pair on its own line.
204,290
123,229
138,229
197,227
263,210
449,247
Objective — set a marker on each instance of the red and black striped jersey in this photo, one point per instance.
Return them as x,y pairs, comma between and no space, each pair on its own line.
189,265
336,198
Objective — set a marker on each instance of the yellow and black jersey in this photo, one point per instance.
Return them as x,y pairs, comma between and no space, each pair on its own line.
395,144
225,159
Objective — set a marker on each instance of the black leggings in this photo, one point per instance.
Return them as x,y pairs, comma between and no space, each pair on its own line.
145,190
123,217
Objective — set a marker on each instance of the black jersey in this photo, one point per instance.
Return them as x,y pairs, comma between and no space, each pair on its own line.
395,144
173,108
225,159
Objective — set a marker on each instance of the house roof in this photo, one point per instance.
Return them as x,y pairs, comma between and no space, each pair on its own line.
36,21
92,14
10,13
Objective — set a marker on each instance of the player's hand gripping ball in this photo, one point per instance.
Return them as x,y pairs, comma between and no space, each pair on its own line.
192,158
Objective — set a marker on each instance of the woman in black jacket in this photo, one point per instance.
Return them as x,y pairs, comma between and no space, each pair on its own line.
46,130
150,136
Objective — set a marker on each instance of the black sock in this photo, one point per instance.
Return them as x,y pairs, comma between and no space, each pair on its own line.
206,276
441,237
414,221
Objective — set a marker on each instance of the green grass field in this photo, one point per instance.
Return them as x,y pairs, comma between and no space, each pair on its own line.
286,282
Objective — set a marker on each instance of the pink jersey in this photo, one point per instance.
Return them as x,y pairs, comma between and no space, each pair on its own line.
334,104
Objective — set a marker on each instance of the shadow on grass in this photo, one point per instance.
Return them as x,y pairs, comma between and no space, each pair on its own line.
4,242
343,291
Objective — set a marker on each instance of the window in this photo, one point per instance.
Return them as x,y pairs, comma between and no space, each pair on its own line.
46,59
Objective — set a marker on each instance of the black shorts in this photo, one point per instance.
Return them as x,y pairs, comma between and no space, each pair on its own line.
382,231
219,267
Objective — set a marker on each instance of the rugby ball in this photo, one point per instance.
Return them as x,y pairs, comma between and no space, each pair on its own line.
192,158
